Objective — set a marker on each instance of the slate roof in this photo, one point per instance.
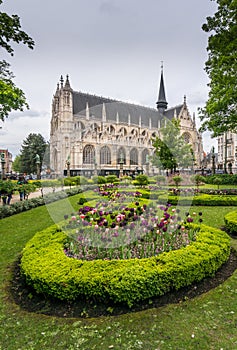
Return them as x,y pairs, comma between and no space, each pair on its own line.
169,113
114,107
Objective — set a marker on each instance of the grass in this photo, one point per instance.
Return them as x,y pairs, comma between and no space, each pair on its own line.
206,322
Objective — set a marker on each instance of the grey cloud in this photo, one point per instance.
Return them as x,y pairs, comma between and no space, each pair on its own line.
109,7
28,113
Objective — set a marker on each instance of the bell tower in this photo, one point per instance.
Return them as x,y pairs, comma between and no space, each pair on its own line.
161,103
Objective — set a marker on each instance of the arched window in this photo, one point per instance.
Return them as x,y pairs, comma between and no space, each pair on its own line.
121,155
89,154
134,133
123,131
187,137
145,155
105,155
110,129
134,157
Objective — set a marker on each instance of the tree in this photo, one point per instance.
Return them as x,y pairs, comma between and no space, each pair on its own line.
171,151
34,144
11,97
220,111
16,165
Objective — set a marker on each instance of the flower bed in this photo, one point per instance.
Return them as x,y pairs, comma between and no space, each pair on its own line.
116,231
49,271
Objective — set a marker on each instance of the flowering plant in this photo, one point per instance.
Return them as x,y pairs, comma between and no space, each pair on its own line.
113,230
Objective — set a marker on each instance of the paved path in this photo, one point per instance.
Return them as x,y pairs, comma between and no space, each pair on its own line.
16,197
37,193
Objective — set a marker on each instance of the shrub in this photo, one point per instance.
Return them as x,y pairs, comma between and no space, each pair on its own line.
50,271
177,180
141,180
99,180
160,179
226,179
230,220
197,179
111,179
217,181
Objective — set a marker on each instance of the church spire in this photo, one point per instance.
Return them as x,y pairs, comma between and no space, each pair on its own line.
67,85
161,103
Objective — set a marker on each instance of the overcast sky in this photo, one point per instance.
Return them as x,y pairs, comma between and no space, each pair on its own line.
111,48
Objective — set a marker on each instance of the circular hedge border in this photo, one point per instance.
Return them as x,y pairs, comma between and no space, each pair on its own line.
230,220
51,272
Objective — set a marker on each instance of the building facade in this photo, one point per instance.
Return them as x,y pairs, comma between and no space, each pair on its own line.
227,152
7,156
96,135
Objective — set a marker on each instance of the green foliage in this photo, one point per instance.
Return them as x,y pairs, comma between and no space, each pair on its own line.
230,220
7,187
171,150
177,180
160,179
112,179
99,180
16,164
11,97
11,31
220,112
200,199
34,144
197,179
137,330
141,180
217,181
226,179
51,272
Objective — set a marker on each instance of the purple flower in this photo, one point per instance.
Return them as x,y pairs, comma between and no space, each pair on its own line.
189,219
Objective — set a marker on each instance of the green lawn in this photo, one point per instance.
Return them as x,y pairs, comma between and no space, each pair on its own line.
206,322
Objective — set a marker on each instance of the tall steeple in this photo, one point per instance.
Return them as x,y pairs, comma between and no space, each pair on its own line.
161,103
67,85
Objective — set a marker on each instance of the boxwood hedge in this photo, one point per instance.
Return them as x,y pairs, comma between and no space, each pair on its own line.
51,272
201,199
230,220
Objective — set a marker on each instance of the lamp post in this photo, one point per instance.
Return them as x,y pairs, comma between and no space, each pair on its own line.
147,165
121,162
3,162
37,161
68,166
95,164
213,160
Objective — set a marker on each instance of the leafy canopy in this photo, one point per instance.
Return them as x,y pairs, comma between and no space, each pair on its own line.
220,111
34,144
11,97
171,151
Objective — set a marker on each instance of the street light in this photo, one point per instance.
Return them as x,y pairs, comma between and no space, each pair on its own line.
3,162
213,160
95,164
37,161
68,166
121,162
147,164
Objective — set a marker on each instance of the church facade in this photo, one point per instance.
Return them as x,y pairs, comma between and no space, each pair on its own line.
96,135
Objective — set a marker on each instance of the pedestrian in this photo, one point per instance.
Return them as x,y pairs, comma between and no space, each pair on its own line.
21,190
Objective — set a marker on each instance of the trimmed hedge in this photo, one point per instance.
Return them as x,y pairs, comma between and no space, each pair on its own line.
230,220
51,272
201,199
28,204
224,179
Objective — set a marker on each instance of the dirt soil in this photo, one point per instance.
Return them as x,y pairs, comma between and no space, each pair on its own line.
30,301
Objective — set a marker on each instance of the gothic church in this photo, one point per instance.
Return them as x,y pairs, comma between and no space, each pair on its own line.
96,135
